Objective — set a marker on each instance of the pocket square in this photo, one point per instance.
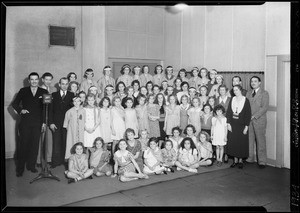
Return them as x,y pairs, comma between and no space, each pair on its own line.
40,97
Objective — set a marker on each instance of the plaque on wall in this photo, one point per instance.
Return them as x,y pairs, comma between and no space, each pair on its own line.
62,36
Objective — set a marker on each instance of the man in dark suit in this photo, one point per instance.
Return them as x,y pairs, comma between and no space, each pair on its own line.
29,104
61,103
236,80
259,102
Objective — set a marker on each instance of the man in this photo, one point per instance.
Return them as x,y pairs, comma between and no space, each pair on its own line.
259,102
236,80
29,104
61,103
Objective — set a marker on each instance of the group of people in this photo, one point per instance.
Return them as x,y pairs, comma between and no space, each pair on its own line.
141,124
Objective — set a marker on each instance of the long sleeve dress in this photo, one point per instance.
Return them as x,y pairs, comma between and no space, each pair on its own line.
92,117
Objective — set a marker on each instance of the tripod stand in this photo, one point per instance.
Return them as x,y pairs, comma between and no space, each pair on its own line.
45,172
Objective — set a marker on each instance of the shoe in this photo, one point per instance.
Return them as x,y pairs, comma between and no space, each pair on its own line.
179,169
165,172
193,170
90,177
261,166
33,170
240,165
233,165
172,170
220,163
71,180
53,166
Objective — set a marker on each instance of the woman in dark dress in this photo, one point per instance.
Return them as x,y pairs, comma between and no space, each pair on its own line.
161,101
238,119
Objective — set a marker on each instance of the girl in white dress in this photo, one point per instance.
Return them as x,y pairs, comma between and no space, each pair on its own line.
91,121
131,120
105,121
117,121
194,114
172,115
219,132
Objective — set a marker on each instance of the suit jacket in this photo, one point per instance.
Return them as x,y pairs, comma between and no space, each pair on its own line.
59,107
259,103
33,104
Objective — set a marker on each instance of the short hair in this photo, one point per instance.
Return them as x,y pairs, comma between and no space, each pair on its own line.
124,67
183,83
195,68
63,78
219,107
118,84
71,73
208,105
236,76
193,146
88,70
155,139
175,96
107,86
129,99
255,76
135,82
155,71
144,68
206,135
71,83
183,96
102,100
127,89
203,68
203,86
90,95
114,99
222,86
33,74
182,70
82,92
144,88
47,74
165,142
156,98
134,68
168,67
107,66
74,147
176,128
141,96
149,96
176,79
117,145
189,126
98,139
129,130
211,97
149,82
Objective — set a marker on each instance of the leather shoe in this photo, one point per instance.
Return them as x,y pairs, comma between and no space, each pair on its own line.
33,170
233,165
240,165
71,180
261,166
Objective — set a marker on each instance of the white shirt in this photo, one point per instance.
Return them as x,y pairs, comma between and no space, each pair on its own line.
237,106
223,100
62,93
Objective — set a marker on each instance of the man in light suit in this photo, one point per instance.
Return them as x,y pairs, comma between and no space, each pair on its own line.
259,102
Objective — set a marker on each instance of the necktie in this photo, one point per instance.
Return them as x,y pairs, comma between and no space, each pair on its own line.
254,93
63,96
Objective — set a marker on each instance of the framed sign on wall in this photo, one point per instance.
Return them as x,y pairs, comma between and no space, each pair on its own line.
61,36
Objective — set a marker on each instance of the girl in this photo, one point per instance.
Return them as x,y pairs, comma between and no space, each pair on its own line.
144,139
72,76
161,101
206,118
219,132
203,95
187,158
105,121
142,114
120,90
131,117
169,155
156,90
82,96
153,116
184,107
177,85
145,76
190,131
212,76
194,114
195,80
223,99
74,124
205,150
158,77
109,90
172,115
125,165
136,90
129,91
176,138
78,164
192,93
149,87
168,93
88,80
136,73
117,121
164,86
99,160
214,90
73,87
134,146
94,90
182,75
106,79
125,77
203,76
211,101
170,77
153,159
91,121
144,91
184,90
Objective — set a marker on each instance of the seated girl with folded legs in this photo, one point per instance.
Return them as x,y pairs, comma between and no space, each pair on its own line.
205,150
169,155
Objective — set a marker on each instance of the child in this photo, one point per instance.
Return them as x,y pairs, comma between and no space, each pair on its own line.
125,165
203,76
99,160
136,91
203,95
125,77
144,139
187,158
184,107
194,114
205,150
129,91
136,73
73,87
120,90
134,146
214,90
177,85
161,101
172,115
94,90
109,90
163,88
182,75
72,76
145,76
149,86
156,90
144,91
190,131
153,116
169,76
82,96
212,76
195,80
117,121
142,114
78,164
206,118
184,90
176,138
153,158
91,121
169,155
158,77
105,121
88,80
193,93
211,101
74,124
106,79
219,132
131,117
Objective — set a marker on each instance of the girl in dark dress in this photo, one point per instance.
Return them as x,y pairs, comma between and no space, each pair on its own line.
238,119
161,101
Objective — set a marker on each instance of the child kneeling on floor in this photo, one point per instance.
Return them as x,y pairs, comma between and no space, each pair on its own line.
205,150
187,156
99,160
78,168
169,155
153,158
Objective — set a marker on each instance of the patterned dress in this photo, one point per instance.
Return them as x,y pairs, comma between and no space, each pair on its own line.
124,162
127,79
169,157
142,116
137,147
80,163
144,78
153,110
158,78
98,159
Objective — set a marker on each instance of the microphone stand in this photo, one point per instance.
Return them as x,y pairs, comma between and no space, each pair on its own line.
45,172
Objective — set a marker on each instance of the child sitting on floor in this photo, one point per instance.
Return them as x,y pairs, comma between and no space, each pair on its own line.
169,155
205,150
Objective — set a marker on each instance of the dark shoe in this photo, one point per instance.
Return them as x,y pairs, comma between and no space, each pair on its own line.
34,170
71,180
172,170
165,172
240,165
39,165
261,166
90,177
226,159
233,165
19,174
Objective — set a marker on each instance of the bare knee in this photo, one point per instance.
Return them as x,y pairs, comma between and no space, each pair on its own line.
108,173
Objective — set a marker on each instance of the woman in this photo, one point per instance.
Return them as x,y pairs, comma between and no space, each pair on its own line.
145,76
238,119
